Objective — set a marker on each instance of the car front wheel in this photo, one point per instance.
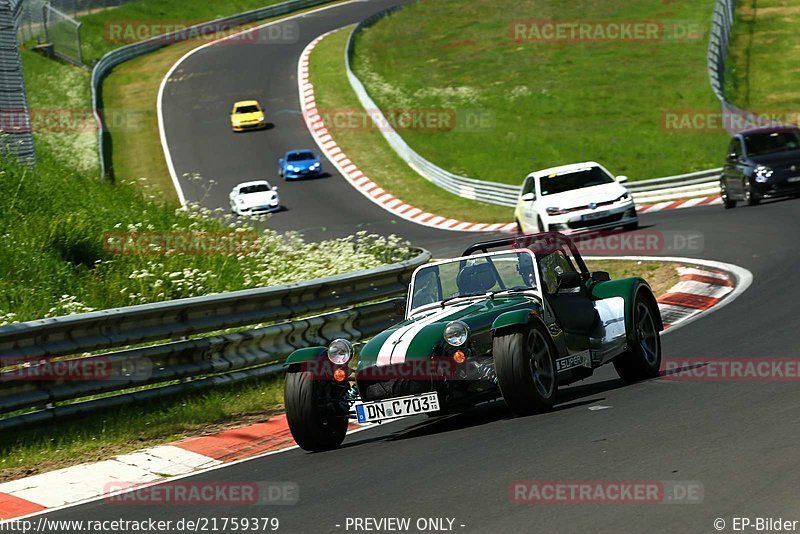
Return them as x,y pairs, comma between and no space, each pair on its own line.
316,410
750,196
727,201
524,363
642,360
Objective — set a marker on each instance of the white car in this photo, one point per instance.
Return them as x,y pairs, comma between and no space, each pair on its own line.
254,198
574,197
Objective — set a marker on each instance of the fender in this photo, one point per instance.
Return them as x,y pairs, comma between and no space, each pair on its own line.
514,318
629,289
306,355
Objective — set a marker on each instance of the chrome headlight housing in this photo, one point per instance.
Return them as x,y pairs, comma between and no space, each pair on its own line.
762,174
340,351
456,333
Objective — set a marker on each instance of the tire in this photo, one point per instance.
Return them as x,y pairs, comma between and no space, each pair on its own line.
750,196
540,225
316,424
519,227
727,202
527,382
643,360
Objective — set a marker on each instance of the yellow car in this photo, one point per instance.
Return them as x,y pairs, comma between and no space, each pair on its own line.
247,115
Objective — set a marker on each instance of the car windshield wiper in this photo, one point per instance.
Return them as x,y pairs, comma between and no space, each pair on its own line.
465,295
518,289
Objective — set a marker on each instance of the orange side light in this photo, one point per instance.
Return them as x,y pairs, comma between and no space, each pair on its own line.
459,356
340,375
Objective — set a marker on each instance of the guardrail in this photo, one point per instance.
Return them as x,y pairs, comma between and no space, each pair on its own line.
124,53
34,355
670,187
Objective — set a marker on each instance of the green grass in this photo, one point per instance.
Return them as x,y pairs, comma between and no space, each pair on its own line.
106,433
53,260
372,154
103,31
763,61
550,102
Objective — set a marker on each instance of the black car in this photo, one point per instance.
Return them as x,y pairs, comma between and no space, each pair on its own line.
761,163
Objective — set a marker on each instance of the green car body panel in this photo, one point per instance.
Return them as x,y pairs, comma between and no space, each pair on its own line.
306,355
628,289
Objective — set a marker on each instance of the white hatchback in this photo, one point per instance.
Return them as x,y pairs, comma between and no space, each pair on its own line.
581,196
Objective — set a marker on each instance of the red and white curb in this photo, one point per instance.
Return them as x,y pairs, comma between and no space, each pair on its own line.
101,480
358,179
680,204
389,202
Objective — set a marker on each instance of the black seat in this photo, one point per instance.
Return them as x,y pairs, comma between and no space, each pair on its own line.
476,279
574,312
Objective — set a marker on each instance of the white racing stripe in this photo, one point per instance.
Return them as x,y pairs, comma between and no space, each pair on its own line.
395,348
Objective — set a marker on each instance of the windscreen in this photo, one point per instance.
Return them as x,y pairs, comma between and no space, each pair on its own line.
768,143
300,156
586,177
513,271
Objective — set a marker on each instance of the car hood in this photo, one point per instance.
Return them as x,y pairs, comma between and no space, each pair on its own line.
779,159
247,117
583,196
303,164
256,199
418,338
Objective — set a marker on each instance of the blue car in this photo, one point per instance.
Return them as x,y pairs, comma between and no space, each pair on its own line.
298,164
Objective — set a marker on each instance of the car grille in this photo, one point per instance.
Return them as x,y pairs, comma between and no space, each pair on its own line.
608,219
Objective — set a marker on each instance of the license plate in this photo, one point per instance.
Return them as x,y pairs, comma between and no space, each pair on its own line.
793,179
593,216
398,407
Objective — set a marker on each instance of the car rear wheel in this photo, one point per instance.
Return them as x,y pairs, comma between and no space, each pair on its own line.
727,201
316,410
525,366
642,360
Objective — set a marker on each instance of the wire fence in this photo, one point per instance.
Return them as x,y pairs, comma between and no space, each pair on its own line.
64,34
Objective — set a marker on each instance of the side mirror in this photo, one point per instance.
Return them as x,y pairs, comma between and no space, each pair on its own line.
601,276
622,179
569,280
732,156
527,197
274,187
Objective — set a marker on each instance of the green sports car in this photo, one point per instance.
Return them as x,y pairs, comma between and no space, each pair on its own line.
513,318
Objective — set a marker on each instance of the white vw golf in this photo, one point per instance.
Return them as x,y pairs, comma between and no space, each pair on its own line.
254,198
574,197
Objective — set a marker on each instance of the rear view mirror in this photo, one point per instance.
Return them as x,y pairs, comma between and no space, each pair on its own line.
569,280
622,179
274,187
527,197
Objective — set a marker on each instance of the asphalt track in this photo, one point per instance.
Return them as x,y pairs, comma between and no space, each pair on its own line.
738,439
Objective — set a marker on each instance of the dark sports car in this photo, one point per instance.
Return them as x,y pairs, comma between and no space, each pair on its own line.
761,163
514,318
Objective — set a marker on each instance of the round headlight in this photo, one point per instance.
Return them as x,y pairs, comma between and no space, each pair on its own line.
456,333
340,351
